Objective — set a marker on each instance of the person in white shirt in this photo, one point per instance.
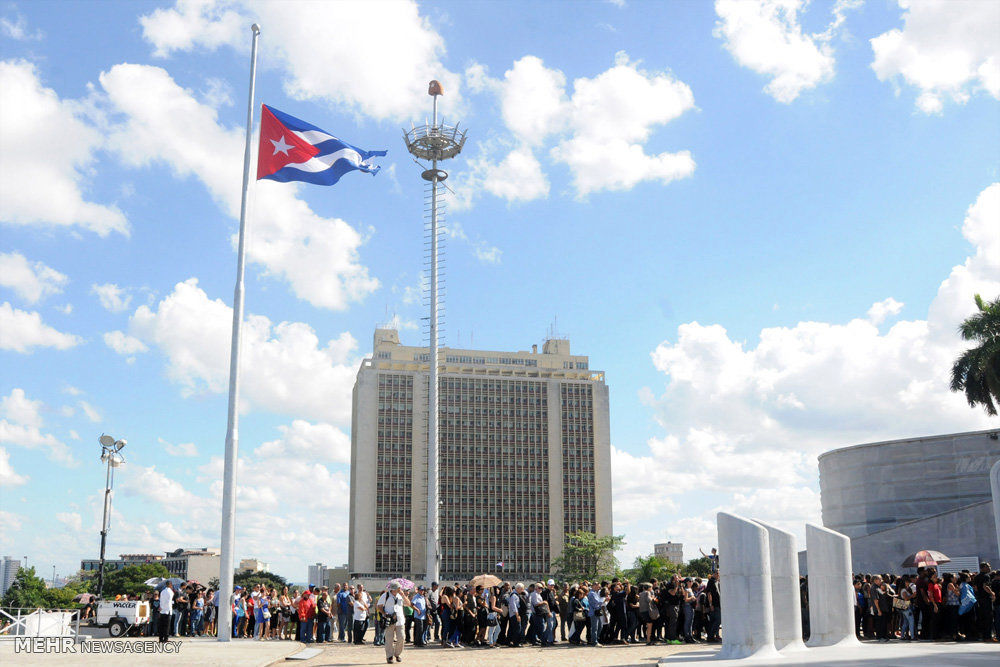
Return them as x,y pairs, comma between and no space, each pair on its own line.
392,604
166,611
360,605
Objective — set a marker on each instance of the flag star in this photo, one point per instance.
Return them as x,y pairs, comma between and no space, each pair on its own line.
280,146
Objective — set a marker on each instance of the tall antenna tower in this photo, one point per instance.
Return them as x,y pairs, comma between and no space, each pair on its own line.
435,142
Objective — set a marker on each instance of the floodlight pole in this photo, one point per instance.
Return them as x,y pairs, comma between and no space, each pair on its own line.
104,527
434,142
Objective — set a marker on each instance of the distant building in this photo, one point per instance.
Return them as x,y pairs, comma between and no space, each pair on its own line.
197,564
253,565
317,575
672,552
110,564
8,570
524,459
897,497
337,575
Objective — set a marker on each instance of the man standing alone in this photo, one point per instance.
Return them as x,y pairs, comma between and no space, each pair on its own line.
392,605
166,611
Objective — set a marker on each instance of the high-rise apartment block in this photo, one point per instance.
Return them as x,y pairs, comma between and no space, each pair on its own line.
671,552
524,459
8,571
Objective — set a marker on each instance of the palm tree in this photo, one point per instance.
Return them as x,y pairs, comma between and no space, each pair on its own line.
977,371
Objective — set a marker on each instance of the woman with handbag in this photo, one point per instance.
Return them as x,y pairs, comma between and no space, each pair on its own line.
949,628
493,618
903,604
578,609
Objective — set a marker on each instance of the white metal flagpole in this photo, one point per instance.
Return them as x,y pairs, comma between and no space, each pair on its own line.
233,429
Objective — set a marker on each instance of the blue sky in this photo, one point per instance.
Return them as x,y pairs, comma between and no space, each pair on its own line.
763,220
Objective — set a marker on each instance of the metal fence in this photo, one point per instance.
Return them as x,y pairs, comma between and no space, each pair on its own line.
39,622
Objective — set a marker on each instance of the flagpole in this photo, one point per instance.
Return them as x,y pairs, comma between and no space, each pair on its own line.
233,430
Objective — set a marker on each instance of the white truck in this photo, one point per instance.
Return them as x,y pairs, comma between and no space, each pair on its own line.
122,616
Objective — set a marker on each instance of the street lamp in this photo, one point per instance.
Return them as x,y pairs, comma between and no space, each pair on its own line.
110,454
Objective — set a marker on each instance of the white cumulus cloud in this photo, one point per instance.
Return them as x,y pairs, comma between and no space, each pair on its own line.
599,130
7,475
44,141
286,369
946,49
21,425
377,63
767,37
124,344
30,280
112,297
22,331
313,442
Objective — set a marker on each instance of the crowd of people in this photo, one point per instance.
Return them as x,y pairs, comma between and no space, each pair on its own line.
928,606
677,610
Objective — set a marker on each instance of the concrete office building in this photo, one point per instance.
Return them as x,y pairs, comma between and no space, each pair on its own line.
8,570
250,565
317,575
671,552
200,565
524,459
894,498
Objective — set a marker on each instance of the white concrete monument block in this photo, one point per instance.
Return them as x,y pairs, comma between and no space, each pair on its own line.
995,487
784,590
831,593
745,572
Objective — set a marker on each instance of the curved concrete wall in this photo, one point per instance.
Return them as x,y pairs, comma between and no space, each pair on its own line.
873,487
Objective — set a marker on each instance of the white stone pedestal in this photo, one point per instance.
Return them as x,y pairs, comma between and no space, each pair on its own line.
831,602
785,590
747,621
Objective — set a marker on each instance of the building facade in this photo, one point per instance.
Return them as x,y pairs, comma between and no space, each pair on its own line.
523,459
671,552
894,498
110,565
253,565
317,575
8,570
201,565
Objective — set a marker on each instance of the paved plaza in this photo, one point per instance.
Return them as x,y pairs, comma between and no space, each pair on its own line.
208,652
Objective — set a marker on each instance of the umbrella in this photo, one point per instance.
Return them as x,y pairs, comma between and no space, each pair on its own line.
85,598
405,584
176,581
485,580
926,558
155,581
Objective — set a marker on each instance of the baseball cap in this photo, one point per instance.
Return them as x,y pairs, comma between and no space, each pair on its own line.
551,582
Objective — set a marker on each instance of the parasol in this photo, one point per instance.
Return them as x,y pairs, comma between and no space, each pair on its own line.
405,584
485,580
926,558
85,598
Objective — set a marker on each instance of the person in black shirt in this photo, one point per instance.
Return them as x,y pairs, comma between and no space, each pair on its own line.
616,609
713,607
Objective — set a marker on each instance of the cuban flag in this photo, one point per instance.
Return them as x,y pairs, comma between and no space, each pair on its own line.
294,150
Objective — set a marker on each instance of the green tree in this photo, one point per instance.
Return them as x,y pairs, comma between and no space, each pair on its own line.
697,567
27,590
250,579
588,556
649,568
977,371
129,579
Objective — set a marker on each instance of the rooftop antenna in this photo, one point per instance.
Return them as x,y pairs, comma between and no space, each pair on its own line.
434,142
